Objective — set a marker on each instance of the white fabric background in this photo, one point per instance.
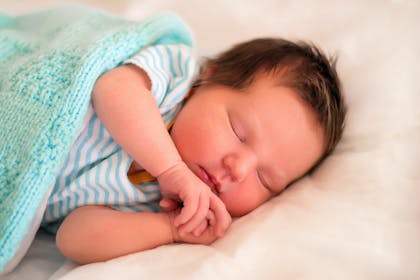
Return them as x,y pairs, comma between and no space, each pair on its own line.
358,215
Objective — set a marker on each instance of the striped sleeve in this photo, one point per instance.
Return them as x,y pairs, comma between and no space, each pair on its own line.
171,69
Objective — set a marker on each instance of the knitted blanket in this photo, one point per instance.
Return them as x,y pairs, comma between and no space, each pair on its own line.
49,62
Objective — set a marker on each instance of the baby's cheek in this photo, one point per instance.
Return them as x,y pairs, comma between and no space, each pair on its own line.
243,200
238,204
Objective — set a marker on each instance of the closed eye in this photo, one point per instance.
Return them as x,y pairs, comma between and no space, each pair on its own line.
235,130
263,182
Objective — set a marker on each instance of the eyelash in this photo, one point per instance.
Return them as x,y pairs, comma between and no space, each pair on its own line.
263,183
234,131
261,180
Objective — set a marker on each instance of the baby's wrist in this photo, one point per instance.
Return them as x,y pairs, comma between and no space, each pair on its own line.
174,231
177,166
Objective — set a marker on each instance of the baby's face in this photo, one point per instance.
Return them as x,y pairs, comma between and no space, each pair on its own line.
247,146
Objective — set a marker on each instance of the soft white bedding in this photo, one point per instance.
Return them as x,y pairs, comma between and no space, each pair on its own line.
358,215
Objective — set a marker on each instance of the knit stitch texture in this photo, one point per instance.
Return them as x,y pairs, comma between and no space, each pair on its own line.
49,62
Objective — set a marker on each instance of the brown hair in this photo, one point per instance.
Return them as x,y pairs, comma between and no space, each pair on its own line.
302,66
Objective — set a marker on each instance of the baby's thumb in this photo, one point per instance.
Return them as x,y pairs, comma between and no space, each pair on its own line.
167,204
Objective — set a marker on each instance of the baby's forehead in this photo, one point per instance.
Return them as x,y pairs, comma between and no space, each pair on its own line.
282,78
280,106
276,77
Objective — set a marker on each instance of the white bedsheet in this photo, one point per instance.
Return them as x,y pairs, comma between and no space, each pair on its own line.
358,215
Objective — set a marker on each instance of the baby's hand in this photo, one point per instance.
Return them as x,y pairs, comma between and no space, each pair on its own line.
206,233
179,183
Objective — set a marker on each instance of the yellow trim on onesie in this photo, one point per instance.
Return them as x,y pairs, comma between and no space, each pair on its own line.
143,176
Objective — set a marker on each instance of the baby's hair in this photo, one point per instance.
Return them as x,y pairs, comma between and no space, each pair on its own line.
300,66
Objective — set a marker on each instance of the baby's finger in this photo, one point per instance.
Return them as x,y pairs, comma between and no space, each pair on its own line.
211,218
168,205
191,204
201,228
222,216
198,217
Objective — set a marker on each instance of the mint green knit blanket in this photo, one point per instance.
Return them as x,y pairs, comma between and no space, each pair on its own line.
49,62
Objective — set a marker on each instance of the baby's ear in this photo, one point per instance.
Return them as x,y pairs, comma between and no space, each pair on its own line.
208,72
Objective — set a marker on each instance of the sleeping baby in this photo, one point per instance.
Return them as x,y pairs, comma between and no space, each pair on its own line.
258,117
169,153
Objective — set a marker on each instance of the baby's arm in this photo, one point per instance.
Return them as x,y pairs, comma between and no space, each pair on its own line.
98,233
123,102
125,105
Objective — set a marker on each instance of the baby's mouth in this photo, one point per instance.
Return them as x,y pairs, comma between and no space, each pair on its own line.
207,178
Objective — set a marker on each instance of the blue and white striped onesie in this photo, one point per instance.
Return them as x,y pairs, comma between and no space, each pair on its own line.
95,171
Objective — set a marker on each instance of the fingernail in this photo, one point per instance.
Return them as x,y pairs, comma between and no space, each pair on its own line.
164,203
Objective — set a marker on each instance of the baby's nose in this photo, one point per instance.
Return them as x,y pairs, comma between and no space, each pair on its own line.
240,165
